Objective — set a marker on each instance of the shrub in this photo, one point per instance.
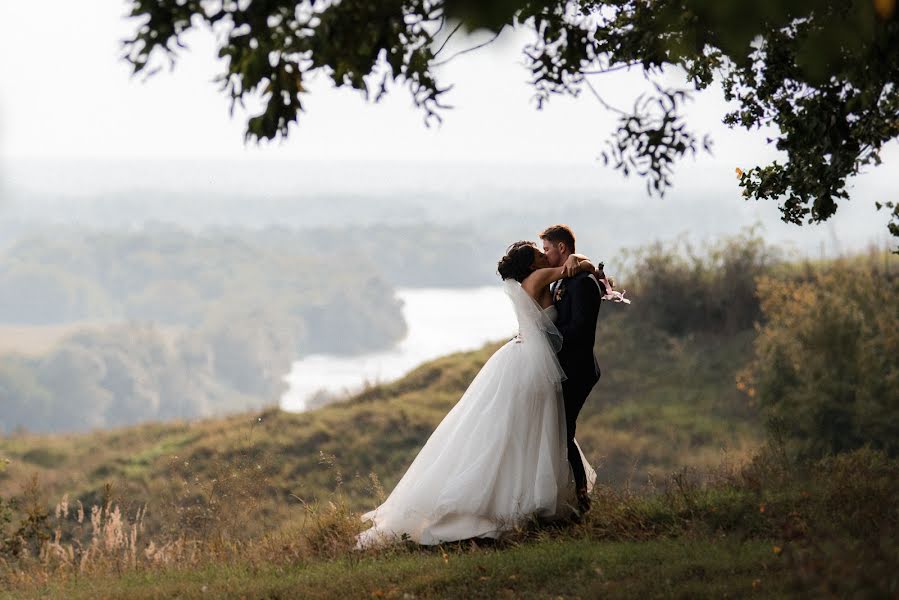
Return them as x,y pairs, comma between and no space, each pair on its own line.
826,367
683,292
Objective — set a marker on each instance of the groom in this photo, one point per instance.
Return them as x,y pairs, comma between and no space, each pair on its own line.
577,302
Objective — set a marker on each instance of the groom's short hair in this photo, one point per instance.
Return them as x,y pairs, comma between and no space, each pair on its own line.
559,233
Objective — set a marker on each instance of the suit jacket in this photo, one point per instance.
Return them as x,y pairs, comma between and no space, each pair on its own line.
577,302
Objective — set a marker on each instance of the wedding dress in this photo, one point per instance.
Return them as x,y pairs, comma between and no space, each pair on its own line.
499,456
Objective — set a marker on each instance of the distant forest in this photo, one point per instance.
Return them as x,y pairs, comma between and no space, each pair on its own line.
181,325
166,322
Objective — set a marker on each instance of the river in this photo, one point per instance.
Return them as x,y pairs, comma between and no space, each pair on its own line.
440,321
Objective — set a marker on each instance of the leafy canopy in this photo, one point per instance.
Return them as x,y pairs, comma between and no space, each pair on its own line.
821,73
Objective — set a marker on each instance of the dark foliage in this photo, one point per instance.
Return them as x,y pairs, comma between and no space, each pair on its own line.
821,73
826,368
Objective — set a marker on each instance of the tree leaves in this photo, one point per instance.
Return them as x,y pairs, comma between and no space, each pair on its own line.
822,72
649,140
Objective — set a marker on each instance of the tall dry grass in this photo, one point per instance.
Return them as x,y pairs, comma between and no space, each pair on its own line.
809,514
206,525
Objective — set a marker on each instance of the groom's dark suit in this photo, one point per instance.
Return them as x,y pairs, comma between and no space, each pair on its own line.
577,302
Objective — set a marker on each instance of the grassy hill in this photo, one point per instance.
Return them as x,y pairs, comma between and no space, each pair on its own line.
662,403
544,569
691,502
275,485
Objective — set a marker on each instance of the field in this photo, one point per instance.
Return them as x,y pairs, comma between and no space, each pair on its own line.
37,340
694,498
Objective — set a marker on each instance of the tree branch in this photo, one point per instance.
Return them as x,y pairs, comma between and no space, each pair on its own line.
443,45
467,50
621,67
605,104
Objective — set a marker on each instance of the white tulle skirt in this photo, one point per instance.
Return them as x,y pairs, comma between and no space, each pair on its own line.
497,458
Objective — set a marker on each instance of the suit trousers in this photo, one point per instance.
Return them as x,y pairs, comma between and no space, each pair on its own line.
574,394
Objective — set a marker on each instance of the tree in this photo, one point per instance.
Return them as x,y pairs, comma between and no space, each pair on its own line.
826,366
822,73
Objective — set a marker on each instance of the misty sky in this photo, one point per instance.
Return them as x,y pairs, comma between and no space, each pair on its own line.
67,95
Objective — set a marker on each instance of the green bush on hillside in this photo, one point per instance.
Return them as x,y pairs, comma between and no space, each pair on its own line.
683,292
826,368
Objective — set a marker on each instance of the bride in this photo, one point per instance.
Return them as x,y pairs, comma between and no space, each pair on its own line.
499,456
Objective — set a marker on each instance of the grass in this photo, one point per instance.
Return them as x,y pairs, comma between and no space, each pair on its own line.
691,503
770,527
551,568
660,405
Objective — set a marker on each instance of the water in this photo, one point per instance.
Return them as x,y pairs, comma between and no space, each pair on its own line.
440,321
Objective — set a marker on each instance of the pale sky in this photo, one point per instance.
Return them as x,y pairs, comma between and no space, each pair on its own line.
66,95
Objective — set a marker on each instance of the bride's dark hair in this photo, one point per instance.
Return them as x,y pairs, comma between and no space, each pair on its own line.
517,262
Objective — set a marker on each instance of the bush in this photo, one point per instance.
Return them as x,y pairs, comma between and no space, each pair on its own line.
858,488
683,292
826,367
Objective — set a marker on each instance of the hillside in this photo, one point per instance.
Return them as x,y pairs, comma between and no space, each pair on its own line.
662,403
266,481
690,502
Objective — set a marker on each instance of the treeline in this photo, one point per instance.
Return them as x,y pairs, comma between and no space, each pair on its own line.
171,276
185,324
121,376
168,275
421,255
685,290
199,324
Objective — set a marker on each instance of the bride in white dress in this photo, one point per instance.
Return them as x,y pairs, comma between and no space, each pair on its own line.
499,456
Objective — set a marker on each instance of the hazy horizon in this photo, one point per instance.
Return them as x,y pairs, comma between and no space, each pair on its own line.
517,198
